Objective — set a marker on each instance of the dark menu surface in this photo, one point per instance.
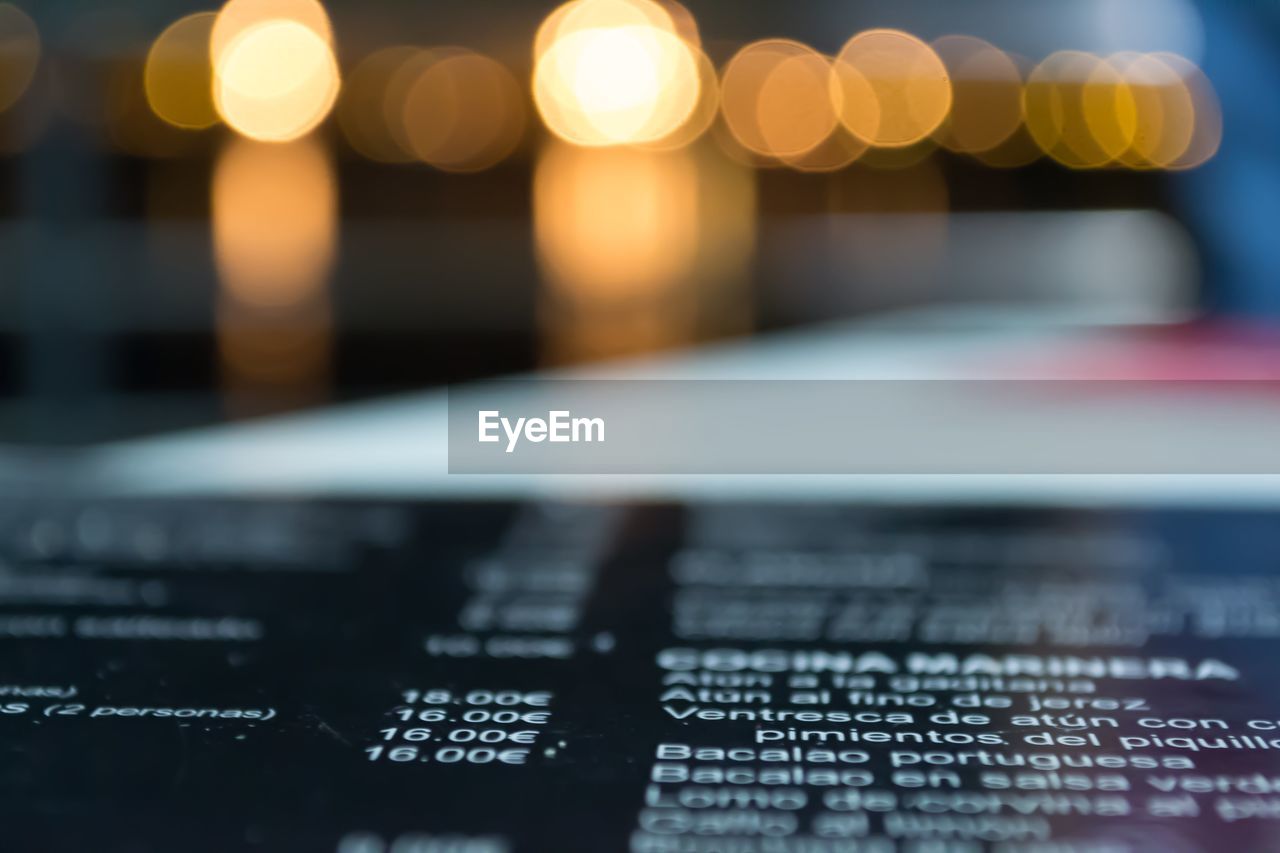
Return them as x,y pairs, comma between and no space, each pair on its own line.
489,678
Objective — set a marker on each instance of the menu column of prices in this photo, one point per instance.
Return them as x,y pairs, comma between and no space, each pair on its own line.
476,727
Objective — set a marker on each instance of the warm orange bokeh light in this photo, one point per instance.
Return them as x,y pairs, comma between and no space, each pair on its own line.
179,73
777,99
704,111
895,88
614,72
276,81
578,15
237,16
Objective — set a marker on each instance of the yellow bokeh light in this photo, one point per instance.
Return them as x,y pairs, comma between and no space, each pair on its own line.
238,16
179,73
1110,110
1080,110
1164,112
463,113
607,74
19,53
986,90
777,98
276,81
895,88
274,221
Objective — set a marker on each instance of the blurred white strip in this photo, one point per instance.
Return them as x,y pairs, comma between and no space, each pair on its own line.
399,447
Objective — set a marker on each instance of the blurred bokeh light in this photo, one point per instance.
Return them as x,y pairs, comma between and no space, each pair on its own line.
372,103
239,16
1079,110
179,73
614,72
650,274
276,80
895,89
275,222
463,112
986,88
777,99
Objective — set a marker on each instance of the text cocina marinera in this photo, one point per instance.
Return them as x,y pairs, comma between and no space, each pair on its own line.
945,663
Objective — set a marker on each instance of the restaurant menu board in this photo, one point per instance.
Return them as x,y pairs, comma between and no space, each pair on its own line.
397,677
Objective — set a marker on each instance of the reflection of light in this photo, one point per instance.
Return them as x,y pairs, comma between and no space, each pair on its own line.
268,349
776,97
179,73
238,16
274,229
616,223
987,95
274,221
895,88
19,53
613,72
638,247
463,113
276,81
